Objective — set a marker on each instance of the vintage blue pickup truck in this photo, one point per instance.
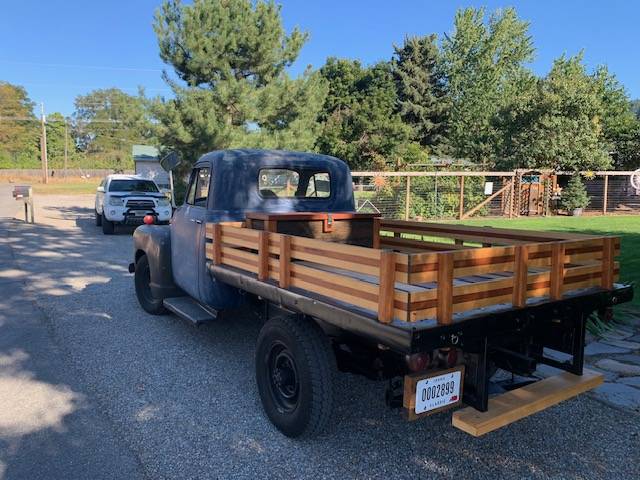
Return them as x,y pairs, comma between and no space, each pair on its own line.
433,309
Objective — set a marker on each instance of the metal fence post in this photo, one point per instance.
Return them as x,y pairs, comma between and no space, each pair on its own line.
461,206
407,199
606,194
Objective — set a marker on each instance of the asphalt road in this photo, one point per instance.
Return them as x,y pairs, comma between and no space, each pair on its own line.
8,206
181,402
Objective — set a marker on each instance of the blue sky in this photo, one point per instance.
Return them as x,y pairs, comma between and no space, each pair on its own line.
58,49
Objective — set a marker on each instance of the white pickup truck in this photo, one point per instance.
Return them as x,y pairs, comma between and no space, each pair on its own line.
127,199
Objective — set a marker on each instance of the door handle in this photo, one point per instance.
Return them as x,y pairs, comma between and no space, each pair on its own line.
199,222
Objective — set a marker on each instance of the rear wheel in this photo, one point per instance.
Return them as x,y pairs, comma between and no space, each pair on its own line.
98,219
108,227
294,371
142,280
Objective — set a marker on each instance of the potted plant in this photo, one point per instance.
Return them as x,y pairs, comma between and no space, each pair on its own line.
574,196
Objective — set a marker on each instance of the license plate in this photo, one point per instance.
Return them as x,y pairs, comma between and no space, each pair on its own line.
139,213
438,392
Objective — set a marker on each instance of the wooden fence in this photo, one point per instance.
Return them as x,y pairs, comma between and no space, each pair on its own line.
451,194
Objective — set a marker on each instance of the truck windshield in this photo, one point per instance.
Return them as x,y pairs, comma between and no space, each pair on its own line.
132,186
286,183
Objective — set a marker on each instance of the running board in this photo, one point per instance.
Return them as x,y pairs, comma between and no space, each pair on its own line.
522,402
189,309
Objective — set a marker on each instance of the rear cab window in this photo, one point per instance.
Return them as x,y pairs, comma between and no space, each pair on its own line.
122,185
293,183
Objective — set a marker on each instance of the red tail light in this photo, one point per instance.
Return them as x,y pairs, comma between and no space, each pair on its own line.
418,361
452,357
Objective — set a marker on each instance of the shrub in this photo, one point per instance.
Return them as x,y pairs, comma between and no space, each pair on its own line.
574,195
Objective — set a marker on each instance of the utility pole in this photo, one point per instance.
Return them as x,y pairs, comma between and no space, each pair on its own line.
43,148
66,147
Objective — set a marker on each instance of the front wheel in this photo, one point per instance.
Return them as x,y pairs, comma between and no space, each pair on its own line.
142,280
294,371
108,227
98,219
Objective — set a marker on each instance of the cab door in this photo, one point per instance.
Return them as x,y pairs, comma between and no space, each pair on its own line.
188,234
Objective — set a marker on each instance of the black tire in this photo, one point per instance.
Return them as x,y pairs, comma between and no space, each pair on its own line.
294,371
98,219
142,280
108,227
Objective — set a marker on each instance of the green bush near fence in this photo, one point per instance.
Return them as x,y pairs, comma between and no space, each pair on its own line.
430,197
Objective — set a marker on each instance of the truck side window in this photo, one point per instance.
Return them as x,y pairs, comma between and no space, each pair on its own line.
191,190
200,193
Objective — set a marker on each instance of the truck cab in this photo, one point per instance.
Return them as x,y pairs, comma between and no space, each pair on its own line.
223,186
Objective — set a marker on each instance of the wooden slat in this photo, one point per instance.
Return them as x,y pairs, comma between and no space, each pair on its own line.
387,281
236,242
376,233
263,255
285,261
239,259
522,402
608,255
329,290
520,273
332,259
445,288
482,294
417,244
217,243
538,284
446,229
483,260
358,253
557,270
358,288
240,232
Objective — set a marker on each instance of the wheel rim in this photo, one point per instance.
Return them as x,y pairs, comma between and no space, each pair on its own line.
284,383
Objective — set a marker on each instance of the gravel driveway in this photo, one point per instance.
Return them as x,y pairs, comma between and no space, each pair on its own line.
183,399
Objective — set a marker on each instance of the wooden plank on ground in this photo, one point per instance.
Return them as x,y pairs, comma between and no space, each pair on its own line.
522,402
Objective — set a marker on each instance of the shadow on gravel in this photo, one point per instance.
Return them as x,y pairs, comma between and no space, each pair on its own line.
47,427
185,397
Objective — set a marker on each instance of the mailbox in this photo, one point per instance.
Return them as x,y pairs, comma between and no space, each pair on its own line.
25,193
22,192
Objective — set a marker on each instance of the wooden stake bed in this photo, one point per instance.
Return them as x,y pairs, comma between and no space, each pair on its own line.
413,271
522,402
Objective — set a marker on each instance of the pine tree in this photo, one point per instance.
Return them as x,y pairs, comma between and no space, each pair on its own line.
232,55
422,96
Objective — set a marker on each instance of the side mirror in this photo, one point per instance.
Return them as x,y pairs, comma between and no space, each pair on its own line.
170,161
101,188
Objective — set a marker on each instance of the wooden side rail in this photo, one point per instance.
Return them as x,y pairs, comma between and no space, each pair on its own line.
363,277
418,286
481,235
475,278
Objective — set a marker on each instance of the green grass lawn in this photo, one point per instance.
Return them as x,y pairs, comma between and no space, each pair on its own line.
627,227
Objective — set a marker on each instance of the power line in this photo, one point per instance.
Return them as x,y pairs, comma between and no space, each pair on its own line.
90,67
